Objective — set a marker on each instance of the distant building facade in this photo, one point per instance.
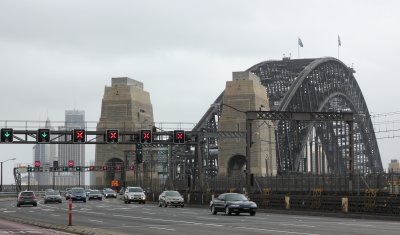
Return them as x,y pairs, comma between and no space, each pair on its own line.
394,166
74,119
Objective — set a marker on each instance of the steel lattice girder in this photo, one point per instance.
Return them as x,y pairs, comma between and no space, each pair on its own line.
312,85
317,85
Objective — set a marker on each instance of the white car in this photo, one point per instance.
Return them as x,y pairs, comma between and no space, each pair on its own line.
134,194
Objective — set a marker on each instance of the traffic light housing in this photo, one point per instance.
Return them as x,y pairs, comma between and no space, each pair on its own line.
79,136
104,168
145,136
112,136
43,136
179,137
7,135
65,168
139,153
78,168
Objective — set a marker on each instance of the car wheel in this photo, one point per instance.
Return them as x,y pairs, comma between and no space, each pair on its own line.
176,206
129,202
18,205
84,201
144,202
34,204
213,211
253,213
182,206
237,213
227,211
45,202
165,204
125,202
159,204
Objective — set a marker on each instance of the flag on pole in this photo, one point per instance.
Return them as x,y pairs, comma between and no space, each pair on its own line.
338,40
300,42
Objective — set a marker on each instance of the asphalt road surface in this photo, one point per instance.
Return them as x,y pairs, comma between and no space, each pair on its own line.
112,216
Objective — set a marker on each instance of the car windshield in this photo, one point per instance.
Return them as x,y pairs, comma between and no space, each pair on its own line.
95,192
235,197
135,190
172,194
109,191
52,193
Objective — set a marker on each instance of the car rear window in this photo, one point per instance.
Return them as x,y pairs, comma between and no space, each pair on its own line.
27,194
135,190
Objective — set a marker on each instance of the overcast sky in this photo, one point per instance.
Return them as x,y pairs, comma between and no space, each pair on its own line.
59,55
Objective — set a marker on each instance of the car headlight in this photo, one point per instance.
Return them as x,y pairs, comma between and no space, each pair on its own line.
234,205
253,205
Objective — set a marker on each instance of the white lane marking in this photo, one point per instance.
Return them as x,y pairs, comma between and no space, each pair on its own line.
96,213
3,209
304,217
150,213
300,225
277,231
9,211
55,215
354,224
97,221
47,209
163,228
210,218
164,220
193,213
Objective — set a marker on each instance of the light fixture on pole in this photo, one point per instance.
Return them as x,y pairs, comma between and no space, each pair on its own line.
1,181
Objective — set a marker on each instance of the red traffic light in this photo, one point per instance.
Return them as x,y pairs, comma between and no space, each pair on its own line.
104,168
132,167
145,136
71,163
79,136
179,137
117,167
91,168
112,136
37,163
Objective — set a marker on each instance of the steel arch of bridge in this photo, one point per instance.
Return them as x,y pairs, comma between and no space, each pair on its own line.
313,85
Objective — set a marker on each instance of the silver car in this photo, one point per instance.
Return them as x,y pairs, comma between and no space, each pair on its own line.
134,194
95,194
52,196
170,198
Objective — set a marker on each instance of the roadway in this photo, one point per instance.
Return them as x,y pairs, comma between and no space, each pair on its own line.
112,216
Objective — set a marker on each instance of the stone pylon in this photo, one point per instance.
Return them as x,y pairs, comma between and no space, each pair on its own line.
246,93
126,106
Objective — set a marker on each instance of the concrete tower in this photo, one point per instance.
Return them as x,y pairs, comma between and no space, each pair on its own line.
245,93
126,107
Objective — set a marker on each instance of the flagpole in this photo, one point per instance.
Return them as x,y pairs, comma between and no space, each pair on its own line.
338,51
298,51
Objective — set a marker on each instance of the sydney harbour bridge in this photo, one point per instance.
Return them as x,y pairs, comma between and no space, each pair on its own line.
220,144
312,85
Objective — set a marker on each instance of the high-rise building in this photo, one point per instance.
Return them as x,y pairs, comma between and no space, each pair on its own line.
394,166
74,119
46,154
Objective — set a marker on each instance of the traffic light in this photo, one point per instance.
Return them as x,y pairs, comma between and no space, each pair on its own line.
112,136
79,136
139,153
37,163
71,163
7,135
29,169
132,167
117,167
78,168
145,136
65,168
43,136
179,137
104,168
91,168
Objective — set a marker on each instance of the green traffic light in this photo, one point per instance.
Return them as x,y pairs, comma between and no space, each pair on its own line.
44,134
7,134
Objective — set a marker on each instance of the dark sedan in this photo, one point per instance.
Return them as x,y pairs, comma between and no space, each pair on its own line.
78,194
233,203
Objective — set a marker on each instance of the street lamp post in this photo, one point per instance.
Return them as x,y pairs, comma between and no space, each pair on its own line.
1,163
